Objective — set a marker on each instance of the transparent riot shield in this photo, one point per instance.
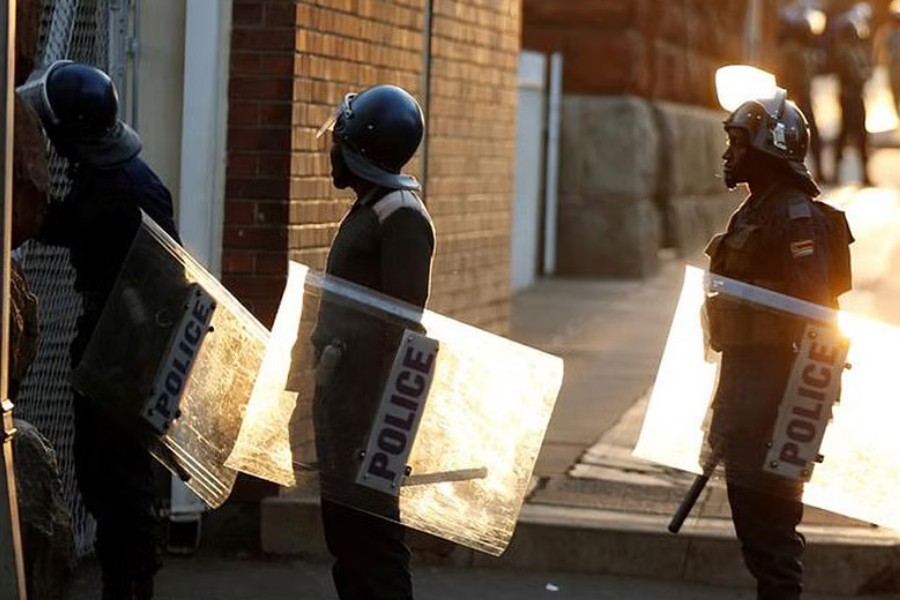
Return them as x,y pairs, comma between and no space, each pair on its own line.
403,414
173,360
812,416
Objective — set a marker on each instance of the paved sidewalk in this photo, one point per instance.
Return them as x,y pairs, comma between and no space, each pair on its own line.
610,335
206,578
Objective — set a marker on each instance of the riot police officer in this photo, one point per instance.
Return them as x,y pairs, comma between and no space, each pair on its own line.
385,243
97,222
782,240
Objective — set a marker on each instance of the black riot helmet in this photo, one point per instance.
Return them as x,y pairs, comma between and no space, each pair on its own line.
78,105
379,131
84,100
794,25
775,126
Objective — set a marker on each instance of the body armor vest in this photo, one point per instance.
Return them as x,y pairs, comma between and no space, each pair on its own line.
749,252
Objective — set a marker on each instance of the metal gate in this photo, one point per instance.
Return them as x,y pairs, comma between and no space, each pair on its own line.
533,244
529,160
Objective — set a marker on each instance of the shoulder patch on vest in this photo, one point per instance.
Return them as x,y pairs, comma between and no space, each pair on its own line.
802,248
396,200
798,209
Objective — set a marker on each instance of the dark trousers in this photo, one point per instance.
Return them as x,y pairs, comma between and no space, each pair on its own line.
765,508
116,480
766,525
371,555
853,127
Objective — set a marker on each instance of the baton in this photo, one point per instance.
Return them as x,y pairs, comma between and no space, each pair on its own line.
690,499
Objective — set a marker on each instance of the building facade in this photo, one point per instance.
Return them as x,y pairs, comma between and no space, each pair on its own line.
227,96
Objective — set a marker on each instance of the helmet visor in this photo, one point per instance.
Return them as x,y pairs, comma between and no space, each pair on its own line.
343,110
34,93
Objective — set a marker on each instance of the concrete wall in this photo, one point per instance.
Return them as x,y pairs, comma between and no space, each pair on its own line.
160,88
292,62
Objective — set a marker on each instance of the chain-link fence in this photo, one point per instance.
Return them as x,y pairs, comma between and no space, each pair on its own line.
83,31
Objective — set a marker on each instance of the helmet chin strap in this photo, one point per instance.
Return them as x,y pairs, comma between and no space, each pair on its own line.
119,146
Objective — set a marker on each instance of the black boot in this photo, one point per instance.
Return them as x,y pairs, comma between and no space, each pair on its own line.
117,588
143,589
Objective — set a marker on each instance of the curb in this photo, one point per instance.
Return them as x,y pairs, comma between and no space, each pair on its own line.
838,560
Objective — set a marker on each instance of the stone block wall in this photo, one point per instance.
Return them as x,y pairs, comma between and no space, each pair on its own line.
691,193
608,168
292,62
637,176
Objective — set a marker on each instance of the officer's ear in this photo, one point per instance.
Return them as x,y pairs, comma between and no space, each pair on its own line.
337,157
342,176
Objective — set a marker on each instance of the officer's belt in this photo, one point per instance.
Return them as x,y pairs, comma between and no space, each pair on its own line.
733,324
741,326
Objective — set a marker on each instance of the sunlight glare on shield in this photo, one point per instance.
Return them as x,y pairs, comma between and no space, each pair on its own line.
482,423
262,446
859,473
673,425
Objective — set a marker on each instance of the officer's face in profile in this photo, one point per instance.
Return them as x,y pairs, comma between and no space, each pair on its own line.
340,174
737,158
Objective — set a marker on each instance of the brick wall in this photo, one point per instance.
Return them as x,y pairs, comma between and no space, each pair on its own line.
291,64
258,180
472,156
658,49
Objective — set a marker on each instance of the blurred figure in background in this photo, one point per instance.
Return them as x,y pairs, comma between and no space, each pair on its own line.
888,50
800,24
851,57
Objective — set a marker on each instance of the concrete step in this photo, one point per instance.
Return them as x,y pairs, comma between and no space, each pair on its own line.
839,559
